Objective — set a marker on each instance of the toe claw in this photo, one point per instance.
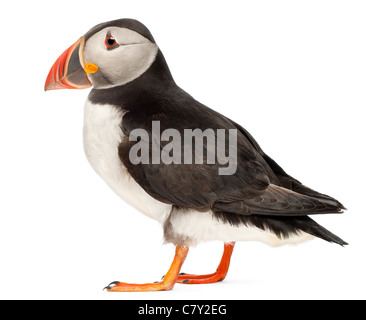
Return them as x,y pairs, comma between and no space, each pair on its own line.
111,285
182,273
184,281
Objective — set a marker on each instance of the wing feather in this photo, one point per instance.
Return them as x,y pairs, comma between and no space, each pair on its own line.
259,185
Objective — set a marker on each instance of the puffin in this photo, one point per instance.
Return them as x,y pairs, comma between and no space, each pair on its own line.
248,197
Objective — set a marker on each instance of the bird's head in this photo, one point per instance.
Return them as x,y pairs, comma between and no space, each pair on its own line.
110,54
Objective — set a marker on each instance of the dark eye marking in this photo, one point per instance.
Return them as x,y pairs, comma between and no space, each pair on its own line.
110,42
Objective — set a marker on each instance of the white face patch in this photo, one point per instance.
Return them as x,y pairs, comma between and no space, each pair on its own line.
121,64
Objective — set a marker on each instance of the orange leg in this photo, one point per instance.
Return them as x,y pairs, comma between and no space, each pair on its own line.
166,284
219,275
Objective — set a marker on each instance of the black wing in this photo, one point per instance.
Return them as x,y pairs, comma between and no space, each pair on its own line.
285,180
259,185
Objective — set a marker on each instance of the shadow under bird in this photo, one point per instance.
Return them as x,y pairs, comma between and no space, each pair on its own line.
132,88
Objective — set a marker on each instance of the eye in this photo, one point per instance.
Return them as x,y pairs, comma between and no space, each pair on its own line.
110,42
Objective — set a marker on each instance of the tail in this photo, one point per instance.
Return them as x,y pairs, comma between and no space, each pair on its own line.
308,225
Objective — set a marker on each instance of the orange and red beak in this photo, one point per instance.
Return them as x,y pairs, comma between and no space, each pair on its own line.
68,72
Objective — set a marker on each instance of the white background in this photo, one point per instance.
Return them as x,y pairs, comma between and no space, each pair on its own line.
291,72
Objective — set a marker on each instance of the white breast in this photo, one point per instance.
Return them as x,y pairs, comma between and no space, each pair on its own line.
102,135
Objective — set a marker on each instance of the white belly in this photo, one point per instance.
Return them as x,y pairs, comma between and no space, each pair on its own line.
199,226
102,135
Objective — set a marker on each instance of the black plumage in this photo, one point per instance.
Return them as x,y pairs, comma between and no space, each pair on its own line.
260,193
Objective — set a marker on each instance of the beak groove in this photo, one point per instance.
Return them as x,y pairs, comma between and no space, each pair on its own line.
68,70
